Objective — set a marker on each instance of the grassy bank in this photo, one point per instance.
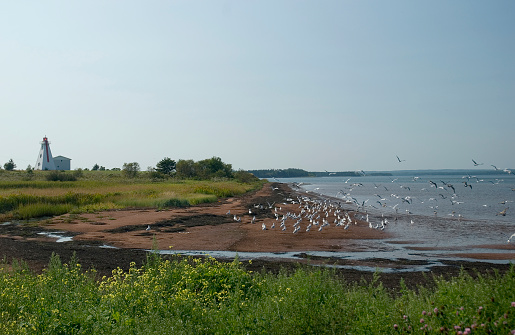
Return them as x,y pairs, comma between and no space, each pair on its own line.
192,296
101,190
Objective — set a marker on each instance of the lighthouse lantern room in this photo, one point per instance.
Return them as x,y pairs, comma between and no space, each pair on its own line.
45,160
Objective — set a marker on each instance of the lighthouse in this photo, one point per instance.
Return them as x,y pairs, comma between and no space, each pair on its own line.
45,160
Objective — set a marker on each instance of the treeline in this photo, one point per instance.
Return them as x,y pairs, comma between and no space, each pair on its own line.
205,169
281,173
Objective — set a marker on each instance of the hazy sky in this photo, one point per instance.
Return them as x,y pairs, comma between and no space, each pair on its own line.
318,85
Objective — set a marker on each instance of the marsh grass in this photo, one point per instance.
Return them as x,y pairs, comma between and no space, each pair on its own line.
26,212
205,296
102,190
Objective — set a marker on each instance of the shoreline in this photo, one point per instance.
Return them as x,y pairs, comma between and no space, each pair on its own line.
211,227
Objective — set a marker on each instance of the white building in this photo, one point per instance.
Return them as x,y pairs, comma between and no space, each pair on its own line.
62,163
47,162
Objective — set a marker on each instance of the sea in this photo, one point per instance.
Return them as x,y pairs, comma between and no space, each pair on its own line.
453,210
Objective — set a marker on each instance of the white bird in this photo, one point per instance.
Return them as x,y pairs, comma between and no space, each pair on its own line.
148,227
503,213
512,236
476,163
263,226
400,160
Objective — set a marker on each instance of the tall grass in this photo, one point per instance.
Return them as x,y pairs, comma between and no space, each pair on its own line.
22,199
26,212
193,296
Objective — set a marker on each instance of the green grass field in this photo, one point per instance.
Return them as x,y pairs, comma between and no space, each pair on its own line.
23,198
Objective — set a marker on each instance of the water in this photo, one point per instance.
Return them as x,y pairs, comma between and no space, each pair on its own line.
58,236
422,215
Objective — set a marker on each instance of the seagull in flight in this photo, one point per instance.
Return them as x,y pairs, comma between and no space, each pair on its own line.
476,163
502,213
400,160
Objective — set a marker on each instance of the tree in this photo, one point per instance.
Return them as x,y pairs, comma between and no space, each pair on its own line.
131,170
166,166
29,171
95,167
185,168
213,167
9,166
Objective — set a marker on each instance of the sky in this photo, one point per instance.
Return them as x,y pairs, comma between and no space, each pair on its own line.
316,85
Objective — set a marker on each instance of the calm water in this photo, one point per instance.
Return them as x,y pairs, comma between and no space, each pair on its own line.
426,214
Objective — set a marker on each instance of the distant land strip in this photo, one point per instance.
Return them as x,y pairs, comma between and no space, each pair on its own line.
296,173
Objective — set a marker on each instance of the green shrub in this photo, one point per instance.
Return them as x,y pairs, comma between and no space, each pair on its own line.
245,177
57,175
175,203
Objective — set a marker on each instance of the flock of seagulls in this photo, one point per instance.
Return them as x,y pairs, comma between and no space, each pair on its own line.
306,214
317,214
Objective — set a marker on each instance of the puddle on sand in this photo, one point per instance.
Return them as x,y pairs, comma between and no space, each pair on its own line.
58,236
106,246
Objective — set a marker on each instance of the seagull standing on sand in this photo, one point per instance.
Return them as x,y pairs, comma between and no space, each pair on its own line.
148,228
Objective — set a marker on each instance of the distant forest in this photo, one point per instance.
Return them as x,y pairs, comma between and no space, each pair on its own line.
295,173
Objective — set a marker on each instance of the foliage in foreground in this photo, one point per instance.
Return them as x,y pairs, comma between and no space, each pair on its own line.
193,296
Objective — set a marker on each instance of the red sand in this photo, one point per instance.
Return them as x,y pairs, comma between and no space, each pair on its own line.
231,235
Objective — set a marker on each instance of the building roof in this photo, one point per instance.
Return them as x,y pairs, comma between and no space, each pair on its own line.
62,158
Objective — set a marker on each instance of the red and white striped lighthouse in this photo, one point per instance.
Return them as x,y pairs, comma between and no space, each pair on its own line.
45,160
